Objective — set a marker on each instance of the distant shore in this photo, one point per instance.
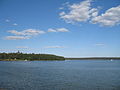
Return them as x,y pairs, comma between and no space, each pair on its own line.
94,58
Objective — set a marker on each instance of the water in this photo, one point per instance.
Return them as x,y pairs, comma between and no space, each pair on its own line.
60,75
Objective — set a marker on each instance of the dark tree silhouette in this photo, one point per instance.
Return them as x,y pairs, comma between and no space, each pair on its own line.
30,57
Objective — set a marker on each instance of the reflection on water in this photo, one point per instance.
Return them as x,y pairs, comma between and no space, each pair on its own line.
60,75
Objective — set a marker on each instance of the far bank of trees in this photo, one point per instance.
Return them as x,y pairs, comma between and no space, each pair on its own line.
30,57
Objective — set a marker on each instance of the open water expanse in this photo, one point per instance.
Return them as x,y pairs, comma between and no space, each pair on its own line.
60,75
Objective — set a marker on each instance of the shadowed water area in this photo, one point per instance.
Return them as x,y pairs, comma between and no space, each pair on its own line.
60,75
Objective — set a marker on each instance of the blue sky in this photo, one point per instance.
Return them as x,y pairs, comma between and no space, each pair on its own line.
70,28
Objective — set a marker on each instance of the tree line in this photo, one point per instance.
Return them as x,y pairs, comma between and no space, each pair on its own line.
30,57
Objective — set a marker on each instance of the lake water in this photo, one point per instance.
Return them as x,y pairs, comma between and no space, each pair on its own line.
60,75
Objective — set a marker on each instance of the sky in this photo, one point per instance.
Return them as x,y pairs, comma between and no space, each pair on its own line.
69,28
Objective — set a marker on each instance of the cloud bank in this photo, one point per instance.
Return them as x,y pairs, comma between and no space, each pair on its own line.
29,33
110,18
79,12
25,34
83,11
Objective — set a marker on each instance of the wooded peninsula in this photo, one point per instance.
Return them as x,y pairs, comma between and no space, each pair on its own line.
28,57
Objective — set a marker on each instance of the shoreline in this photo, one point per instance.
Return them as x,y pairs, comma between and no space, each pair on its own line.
86,58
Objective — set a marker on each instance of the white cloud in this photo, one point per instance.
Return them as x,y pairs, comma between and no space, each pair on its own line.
15,32
58,30
99,44
62,30
28,32
15,24
54,47
16,37
110,18
33,32
22,47
79,12
51,30
61,8
62,13
94,12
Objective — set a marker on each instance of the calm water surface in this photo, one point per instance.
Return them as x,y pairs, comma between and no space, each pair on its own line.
60,75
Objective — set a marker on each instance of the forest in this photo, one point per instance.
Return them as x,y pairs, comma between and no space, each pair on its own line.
30,57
